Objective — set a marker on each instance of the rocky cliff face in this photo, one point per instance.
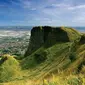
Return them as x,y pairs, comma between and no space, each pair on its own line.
82,40
52,35
48,36
36,40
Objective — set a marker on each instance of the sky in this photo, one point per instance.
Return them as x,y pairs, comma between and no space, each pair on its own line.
42,12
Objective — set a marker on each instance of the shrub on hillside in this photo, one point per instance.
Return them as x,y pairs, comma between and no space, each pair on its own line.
72,57
39,58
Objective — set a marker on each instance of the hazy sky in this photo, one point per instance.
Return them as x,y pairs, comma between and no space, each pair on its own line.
42,12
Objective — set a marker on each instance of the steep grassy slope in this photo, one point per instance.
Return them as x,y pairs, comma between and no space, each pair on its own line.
58,49
9,69
55,80
51,50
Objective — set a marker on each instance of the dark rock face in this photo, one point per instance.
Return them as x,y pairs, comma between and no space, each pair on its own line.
46,36
39,58
82,40
36,40
3,60
53,35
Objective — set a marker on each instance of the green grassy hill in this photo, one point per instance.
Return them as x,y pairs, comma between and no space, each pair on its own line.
51,50
9,69
54,49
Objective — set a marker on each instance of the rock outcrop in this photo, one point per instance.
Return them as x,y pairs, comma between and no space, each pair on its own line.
82,40
48,36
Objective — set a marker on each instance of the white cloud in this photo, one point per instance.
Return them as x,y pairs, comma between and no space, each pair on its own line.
79,18
52,12
77,7
69,6
61,5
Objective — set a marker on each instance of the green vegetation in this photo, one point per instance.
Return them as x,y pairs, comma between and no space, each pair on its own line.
58,49
54,80
9,69
55,56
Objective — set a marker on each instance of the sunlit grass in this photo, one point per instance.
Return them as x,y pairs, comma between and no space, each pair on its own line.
54,80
